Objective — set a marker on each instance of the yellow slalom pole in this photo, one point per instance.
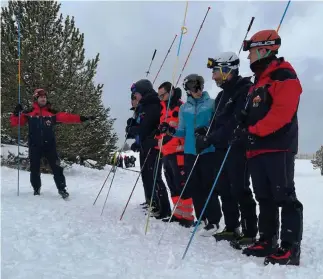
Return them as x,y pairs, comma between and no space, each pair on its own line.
183,31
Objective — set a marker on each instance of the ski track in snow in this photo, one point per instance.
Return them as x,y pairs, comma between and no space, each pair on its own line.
45,237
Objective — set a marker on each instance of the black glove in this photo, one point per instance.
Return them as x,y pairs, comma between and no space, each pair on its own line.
86,118
201,142
18,109
131,121
165,128
135,147
201,131
241,135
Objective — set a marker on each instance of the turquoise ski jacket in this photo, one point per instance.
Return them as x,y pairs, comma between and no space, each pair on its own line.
195,113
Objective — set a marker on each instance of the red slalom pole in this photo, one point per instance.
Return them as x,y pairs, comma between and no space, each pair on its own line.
189,54
165,59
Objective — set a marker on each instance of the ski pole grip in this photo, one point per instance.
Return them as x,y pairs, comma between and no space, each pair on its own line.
154,54
251,22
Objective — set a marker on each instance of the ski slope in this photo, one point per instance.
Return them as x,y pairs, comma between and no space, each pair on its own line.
45,237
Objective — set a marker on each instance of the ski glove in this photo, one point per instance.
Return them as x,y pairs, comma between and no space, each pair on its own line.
165,128
135,147
131,122
18,109
201,131
86,118
242,135
201,143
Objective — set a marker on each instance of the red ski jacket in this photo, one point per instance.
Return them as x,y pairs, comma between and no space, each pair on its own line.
171,144
41,122
272,110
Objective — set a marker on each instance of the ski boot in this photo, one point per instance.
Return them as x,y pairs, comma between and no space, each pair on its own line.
285,255
64,194
242,242
261,248
37,192
227,235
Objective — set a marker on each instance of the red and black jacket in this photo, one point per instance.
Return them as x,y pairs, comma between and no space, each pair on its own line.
171,145
272,110
41,122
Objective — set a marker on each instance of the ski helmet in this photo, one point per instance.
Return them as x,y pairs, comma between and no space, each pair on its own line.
267,39
193,83
226,63
143,87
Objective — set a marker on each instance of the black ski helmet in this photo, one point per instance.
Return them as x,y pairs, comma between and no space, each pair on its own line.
193,82
143,87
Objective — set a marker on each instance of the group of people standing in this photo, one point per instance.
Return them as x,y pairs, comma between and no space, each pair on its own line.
249,130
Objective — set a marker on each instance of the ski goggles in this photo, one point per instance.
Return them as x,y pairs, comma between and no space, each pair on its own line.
133,88
248,44
213,64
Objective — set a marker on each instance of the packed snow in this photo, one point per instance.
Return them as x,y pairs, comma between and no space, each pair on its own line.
48,237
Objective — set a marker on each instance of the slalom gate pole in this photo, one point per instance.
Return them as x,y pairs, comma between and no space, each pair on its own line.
161,66
183,31
113,166
189,54
195,162
220,170
249,27
19,100
152,59
133,189
282,19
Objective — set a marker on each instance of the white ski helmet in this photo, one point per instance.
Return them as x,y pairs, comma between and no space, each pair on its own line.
225,60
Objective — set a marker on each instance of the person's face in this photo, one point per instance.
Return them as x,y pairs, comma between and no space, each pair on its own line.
163,94
138,96
254,56
196,95
42,100
220,77
134,102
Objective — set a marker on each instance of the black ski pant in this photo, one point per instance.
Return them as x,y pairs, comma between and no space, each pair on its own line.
233,186
174,173
273,182
160,195
35,155
199,186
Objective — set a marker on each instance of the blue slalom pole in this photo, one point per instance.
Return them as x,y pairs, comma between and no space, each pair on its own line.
207,201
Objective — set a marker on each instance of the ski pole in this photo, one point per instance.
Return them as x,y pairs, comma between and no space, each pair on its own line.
189,54
183,31
152,59
19,114
133,189
161,66
249,27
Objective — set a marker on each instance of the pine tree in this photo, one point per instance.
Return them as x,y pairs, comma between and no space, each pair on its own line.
52,57
318,161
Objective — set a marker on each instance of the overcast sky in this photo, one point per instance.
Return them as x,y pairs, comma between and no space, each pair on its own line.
126,34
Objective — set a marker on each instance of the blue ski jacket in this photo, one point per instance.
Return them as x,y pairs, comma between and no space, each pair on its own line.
195,113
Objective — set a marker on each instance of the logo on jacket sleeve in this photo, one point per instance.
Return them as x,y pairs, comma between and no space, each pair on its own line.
48,122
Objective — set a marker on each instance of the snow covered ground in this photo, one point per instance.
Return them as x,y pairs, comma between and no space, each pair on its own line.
45,237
